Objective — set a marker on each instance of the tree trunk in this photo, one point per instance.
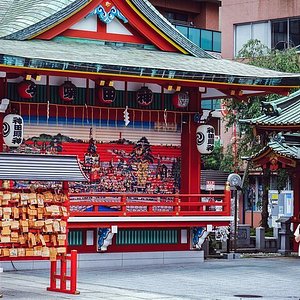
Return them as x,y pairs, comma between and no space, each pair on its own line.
265,199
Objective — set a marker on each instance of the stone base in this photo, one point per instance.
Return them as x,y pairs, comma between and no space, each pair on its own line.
232,256
95,260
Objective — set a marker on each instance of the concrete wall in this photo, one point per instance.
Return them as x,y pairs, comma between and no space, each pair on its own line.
243,11
115,260
202,14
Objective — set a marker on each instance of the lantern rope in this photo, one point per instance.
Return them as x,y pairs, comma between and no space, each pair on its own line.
149,120
82,118
74,116
29,113
181,119
142,119
87,114
116,118
48,111
165,117
158,120
133,118
100,113
37,113
107,121
56,106
66,114
92,116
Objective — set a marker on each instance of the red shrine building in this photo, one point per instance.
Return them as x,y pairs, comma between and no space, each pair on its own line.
117,85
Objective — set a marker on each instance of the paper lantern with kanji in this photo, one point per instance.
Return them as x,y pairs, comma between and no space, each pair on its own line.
180,100
26,89
205,139
67,91
13,130
144,96
107,94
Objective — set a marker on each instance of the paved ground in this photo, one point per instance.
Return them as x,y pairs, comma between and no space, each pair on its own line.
246,278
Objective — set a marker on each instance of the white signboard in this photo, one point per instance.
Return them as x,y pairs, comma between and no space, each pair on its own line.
210,185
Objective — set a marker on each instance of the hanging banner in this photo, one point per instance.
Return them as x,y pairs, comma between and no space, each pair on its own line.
13,130
205,139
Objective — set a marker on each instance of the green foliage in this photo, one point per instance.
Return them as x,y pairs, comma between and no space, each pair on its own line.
257,54
282,179
227,163
213,161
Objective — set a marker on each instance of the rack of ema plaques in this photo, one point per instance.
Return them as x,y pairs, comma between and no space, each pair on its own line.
34,210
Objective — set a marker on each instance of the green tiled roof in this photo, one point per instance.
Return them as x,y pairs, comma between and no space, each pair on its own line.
284,111
280,148
23,19
95,58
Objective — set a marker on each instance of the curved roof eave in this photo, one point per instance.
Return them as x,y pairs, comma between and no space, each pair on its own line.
36,17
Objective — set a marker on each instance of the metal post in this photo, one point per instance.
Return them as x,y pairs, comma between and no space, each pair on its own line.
235,221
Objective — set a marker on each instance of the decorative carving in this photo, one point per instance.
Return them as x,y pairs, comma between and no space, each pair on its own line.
105,237
221,233
199,236
105,15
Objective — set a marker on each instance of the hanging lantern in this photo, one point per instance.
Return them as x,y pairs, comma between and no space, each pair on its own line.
27,89
205,139
181,99
107,94
67,91
144,96
13,130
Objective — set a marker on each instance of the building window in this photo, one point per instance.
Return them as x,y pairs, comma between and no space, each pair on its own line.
276,34
176,17
246,32
211,104
75,238
147,237
285,33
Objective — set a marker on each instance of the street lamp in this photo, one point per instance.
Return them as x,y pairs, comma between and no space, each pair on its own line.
235,181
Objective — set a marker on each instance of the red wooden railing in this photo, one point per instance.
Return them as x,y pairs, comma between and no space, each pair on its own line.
126,204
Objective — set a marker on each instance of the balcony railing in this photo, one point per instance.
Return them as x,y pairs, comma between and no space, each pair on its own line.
130,205
208,40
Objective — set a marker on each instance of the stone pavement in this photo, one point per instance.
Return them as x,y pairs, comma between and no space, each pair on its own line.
274,278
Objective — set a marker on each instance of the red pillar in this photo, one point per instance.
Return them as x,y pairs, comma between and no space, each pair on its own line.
2,95
190,157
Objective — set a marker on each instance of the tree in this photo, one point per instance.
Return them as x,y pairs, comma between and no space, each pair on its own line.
257,54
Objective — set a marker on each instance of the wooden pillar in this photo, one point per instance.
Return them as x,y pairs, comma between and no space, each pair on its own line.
190,157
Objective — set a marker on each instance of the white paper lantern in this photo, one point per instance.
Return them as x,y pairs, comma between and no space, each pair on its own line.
13,130
205,139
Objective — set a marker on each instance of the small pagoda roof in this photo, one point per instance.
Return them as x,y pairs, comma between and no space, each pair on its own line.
281,147
281,112
132,62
